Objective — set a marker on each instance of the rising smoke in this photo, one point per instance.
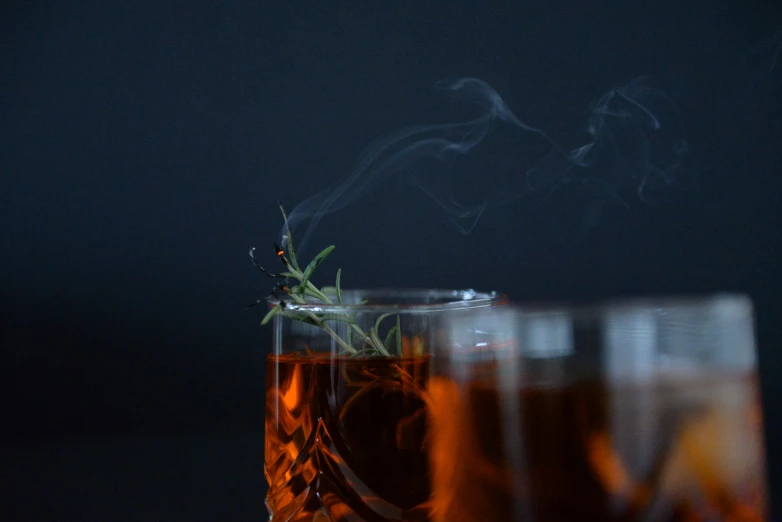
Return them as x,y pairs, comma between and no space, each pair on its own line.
635,150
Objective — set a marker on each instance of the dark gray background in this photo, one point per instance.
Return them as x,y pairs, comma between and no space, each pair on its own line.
143,146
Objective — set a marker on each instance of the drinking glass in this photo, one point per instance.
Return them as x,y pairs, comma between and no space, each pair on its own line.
346,423
623,411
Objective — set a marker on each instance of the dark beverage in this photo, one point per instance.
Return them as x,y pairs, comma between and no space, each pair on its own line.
680,448
345,438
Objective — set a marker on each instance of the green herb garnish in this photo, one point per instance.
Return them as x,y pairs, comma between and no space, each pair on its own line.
304,291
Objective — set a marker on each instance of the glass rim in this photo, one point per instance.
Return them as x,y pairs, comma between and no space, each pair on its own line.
735,304
449,300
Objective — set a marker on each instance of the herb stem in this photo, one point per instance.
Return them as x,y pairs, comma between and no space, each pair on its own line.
331,332
299,294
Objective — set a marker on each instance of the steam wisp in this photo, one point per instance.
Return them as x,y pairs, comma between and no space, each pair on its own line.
635,144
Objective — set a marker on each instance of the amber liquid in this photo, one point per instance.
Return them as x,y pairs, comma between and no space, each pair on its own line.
345,438
685,449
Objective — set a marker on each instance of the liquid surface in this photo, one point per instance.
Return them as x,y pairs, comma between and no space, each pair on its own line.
684,449
345,439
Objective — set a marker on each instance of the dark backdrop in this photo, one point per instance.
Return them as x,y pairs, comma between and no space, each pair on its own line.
144,145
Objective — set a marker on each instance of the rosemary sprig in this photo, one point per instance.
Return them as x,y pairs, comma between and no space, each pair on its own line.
368,341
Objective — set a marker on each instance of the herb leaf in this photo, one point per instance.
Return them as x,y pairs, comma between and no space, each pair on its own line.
314,264
304,290
390,337
338,287
375,340
289,237
268,317
380,320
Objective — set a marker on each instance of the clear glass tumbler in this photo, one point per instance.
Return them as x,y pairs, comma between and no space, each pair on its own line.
346,404
627,411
